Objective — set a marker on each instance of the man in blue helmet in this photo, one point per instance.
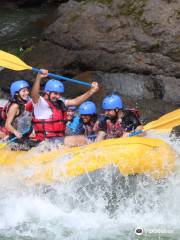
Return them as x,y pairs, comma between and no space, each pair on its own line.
116,122
50,112
88,117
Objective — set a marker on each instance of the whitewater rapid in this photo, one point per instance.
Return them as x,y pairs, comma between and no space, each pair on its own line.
98,208
92,209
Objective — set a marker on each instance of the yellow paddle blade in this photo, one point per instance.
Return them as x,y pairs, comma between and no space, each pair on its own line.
165,123
10,61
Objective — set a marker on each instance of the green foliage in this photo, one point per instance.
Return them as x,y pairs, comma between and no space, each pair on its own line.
109,16
135,9
147,26
177,14
132,8
13,50
73,16
106,2
18,51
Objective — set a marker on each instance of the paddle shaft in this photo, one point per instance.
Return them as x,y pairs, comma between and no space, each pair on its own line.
63,78
15,138
135,133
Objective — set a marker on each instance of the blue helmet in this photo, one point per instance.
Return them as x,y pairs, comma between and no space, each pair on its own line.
53,85
73,108
112,102
87,108
17,86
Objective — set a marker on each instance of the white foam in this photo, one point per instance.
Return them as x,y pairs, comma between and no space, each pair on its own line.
74,211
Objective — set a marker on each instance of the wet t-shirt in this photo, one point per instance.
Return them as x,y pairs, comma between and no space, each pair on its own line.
129,122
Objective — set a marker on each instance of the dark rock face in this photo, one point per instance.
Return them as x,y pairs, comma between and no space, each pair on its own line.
139,86
135,43
29,3
26,3
130,46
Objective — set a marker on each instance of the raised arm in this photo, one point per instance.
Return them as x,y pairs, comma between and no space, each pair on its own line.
78,100
37,84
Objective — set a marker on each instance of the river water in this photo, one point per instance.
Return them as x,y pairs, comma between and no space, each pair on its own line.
22,27
95,207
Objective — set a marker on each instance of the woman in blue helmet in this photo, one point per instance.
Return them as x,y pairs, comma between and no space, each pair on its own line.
73,124
88,116
116,122
50,112
18,120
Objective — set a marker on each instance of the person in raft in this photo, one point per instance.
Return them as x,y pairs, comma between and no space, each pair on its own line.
73,124
116,122
50,112
3,132
88,118
18,121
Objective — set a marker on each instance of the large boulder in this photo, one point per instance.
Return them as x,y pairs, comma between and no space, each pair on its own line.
129,46
136,42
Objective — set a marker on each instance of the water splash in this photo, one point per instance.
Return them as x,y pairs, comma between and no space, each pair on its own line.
101,206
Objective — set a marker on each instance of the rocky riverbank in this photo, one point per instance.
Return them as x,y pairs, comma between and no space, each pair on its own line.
132,47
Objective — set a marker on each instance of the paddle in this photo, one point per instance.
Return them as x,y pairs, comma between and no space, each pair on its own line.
12,62
3,144
164,124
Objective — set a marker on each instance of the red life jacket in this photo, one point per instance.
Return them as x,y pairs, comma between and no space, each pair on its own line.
2,120
52,127
3,112
114,130
29,106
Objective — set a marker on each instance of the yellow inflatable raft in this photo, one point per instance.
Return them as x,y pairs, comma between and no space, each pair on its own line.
134,155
